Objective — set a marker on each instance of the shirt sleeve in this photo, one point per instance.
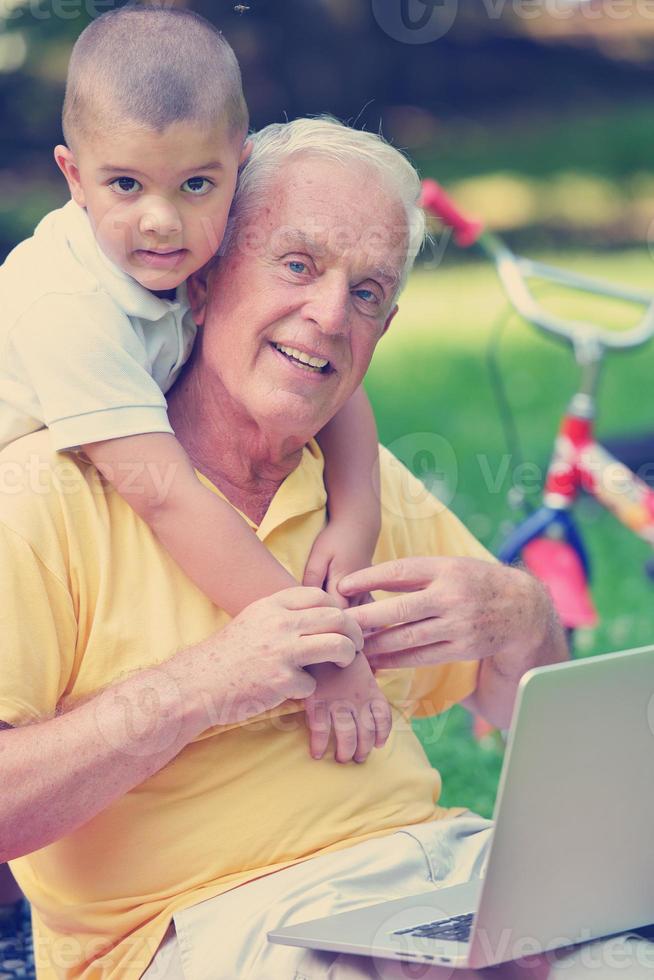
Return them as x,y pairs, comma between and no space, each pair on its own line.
38,633
88,369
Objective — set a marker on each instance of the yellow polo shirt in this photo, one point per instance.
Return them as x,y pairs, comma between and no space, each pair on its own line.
88,595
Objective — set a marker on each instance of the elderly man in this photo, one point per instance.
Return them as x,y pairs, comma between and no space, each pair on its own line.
155,756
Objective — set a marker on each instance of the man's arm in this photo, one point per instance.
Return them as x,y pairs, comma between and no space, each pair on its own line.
539,640
58,774
460,609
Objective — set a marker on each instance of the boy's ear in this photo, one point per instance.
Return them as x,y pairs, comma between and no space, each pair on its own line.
197,287
66,163
245,152
389,319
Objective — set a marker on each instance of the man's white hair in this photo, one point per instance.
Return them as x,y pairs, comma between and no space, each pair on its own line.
328,138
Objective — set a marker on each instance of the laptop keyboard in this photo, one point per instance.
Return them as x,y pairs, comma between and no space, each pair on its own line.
456,929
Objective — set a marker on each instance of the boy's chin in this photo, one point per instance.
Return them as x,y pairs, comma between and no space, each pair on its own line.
155,280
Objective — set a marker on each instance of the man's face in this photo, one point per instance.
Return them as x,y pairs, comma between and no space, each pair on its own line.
158,201
297,306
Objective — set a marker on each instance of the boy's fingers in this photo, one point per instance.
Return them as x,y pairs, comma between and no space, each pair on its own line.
365,734
319,730
317,567
382,715
360,599
314,576
345,734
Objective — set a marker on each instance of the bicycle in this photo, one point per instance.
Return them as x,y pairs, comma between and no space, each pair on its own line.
548,541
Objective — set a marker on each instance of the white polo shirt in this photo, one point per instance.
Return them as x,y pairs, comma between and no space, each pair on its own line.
86,350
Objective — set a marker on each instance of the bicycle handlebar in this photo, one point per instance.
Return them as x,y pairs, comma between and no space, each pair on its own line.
514,272
435,200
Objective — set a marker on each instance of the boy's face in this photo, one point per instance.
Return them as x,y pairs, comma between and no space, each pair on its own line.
157,201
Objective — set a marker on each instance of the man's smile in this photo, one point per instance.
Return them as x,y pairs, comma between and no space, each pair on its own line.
303,359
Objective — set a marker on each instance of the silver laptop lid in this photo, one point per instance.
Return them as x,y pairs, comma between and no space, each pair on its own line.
573,850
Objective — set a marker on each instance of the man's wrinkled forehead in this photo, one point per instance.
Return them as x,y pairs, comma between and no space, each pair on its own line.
330,211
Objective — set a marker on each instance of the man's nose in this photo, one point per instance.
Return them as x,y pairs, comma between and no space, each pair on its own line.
159,218
328,304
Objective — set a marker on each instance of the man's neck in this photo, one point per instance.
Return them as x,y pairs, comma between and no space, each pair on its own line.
246,464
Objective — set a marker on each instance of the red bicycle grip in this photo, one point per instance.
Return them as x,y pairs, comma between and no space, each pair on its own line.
434,200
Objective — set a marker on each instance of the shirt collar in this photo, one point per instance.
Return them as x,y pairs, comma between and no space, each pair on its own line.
302,492
129,294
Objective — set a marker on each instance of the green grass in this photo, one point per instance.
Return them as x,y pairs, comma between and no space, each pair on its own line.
430,387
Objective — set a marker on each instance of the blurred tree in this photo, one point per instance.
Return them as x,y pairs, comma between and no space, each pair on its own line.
310,56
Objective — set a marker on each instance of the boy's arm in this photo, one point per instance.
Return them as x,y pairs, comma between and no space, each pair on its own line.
154,475
205,536
349,444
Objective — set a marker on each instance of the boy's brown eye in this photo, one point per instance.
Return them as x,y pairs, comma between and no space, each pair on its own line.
126,185
197,185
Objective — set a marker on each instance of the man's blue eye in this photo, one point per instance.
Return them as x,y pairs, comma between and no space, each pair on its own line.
197,185
296,266
367,295
126,185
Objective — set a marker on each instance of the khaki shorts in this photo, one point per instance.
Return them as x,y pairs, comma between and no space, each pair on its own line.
224,938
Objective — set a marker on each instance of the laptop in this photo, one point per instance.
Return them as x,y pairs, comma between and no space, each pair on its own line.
572,855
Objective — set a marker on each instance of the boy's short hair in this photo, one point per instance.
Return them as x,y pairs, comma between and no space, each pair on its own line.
151,65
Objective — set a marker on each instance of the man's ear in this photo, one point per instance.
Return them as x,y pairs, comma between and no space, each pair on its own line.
197,286
245,152
390,318
66,162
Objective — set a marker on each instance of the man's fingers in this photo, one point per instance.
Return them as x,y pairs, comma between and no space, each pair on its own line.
301,597
330,620
325,648
426,656
304,685
401,575
398,609
409,636
332,590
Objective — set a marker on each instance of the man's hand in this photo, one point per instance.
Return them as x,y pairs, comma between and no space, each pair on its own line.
456,609
260,656
460,609
105,746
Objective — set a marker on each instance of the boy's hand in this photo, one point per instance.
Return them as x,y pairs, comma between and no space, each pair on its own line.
340,549
348,702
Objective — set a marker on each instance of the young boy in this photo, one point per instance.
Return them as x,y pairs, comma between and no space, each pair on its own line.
98,326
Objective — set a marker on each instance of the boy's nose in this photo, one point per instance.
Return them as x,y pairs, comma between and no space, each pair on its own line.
160,218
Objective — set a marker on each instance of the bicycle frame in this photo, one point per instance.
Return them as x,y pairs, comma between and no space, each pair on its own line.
548,540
